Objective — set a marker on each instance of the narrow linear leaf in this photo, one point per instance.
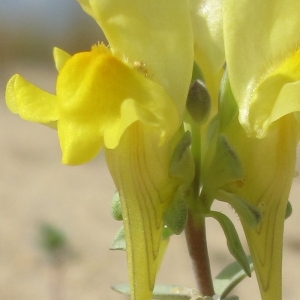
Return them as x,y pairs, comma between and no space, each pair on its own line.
246,211
162,292
233,242
230,277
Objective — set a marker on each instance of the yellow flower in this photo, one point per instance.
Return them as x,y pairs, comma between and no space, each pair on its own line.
263,62
268,170
269,165
130,100
140,169
87,112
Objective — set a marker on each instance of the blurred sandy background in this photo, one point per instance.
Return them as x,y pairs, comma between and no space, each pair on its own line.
36,188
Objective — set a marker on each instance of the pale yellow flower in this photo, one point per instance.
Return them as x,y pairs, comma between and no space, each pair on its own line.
128,99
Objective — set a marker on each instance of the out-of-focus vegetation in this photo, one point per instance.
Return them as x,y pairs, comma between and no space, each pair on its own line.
30,29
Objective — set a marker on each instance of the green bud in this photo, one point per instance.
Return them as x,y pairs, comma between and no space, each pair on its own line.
198,102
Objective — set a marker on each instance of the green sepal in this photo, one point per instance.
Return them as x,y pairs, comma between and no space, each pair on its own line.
289,210
233,242
175,217
246,211
225,166
119,242
116,208
182,164
230,277
227,105
198,102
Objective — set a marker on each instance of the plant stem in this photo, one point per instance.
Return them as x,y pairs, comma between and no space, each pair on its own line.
195,230
195,233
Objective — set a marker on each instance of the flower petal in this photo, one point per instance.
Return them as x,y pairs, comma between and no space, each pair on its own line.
140,169
60,58
96,89
269,170
155,33
30,102
209,46
80,142
268,166
290,91
259,40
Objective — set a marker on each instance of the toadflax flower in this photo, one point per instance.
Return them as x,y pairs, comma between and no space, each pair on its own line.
128,99
263,61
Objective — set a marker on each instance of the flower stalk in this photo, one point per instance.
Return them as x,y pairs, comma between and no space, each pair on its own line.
195,230
195,233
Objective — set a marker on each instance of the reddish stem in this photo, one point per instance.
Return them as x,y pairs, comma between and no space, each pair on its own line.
196,240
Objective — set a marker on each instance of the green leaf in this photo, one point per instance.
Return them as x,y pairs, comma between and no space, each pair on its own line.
225,166
246,211
116,208
233,242
230,277
289,210
181,164
162,292
227,105
175,217
119,242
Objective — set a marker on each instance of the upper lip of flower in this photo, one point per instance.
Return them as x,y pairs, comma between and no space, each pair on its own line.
262,56
150,32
